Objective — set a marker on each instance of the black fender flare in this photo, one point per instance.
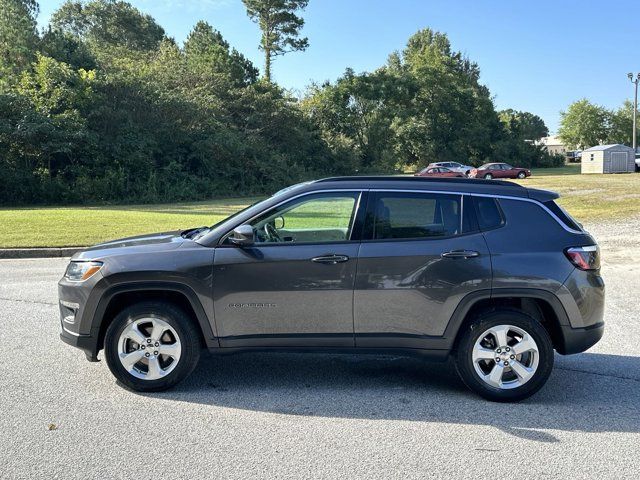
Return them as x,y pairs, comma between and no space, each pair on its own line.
468,302
132,287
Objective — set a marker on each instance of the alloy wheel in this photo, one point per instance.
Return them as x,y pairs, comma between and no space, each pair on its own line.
505,357
149,348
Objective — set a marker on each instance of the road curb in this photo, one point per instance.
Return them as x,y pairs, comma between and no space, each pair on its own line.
38,252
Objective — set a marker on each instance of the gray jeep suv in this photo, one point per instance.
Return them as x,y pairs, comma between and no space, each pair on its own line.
492,274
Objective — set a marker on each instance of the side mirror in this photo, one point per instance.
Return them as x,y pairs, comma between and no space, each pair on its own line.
243,236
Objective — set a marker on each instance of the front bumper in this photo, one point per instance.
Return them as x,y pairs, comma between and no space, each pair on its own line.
87,343
75,316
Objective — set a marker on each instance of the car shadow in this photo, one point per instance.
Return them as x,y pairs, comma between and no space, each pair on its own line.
589,392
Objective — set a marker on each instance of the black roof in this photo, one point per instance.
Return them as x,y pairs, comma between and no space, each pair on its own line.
457,184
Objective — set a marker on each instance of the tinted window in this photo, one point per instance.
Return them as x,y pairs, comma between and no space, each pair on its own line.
488,212
413,215
318,218
562,214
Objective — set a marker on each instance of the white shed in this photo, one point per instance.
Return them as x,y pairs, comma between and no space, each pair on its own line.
608,159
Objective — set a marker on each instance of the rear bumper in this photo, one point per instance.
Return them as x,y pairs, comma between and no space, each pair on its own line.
577,340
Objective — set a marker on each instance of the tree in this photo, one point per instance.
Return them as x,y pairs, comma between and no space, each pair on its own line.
108,23
280,27
584,125
621,124
209,54
18,37
523,125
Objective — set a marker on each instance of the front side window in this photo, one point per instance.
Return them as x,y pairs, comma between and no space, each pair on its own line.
315,218
400,215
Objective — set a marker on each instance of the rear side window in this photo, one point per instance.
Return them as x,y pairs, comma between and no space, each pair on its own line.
407,215
562,214
488,213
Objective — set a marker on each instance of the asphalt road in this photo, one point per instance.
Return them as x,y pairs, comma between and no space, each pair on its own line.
312,416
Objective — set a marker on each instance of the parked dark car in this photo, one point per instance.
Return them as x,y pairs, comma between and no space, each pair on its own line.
439,172
490,273
499,170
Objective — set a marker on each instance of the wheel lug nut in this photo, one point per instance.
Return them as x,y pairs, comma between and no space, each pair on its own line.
155,353
498,359
498,351
512,357
142,347
148,340
508,349
506,364
146,354
157,344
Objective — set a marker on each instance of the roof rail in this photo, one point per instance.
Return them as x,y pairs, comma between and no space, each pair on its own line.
404,178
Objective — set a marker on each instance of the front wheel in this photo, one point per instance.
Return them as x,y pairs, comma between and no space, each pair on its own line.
505,356
521,175
151,346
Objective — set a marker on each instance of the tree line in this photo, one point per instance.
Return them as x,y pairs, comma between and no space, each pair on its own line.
102,106
585,124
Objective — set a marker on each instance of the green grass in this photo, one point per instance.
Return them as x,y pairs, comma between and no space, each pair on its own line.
79,226
568,169
587,197
591,198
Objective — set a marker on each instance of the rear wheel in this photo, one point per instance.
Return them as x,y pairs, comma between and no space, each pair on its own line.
151,346
488,176
521,175
505,356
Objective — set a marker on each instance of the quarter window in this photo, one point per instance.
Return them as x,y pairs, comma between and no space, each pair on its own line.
489,215
316,218
400,215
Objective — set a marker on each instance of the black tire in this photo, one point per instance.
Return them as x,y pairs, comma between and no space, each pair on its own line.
464,352
181,323
488,176
522,175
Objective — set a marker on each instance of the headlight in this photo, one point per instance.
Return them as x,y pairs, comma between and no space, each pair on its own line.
80,271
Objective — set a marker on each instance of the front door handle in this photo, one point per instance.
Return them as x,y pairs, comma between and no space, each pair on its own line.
460,254
330,259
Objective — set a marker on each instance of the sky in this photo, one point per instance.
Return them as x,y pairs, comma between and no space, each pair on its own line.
537,56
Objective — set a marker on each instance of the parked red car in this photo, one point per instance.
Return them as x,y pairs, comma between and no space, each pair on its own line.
499,170
438,172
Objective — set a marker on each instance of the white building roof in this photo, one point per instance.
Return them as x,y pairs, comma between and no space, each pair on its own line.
550,141
599,148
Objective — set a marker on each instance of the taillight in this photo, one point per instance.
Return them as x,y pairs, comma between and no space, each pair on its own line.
584,258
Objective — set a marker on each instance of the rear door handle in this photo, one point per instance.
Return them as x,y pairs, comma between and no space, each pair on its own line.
460,254
330,259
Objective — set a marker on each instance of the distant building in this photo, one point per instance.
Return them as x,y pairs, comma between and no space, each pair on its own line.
553,145
608,159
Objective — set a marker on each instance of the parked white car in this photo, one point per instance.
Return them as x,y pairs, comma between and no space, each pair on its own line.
453,166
